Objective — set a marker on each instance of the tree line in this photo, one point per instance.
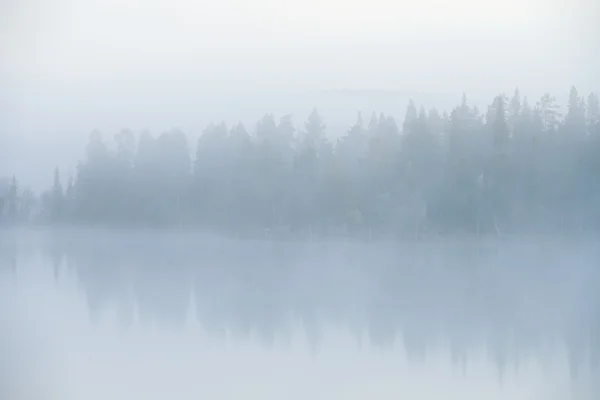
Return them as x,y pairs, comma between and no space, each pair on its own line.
518,168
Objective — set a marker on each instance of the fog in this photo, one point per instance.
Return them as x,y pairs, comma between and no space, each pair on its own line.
69,67
97,314
300,199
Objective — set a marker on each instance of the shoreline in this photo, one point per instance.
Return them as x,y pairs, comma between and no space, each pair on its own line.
301,236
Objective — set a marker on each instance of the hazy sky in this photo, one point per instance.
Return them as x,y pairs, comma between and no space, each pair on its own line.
69,66
255,45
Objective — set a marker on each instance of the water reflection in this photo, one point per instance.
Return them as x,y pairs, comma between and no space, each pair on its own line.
514,301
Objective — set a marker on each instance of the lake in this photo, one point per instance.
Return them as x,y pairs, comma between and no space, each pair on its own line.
100,314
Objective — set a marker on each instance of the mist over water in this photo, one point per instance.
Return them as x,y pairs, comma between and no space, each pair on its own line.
409,191
125,315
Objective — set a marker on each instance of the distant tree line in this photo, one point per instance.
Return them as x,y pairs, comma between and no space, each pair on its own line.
518,168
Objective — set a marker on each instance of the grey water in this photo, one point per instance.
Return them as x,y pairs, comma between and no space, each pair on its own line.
90,314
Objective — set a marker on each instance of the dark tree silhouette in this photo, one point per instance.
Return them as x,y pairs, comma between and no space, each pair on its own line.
518,169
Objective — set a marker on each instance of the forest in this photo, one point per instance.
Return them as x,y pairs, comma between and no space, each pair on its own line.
517,168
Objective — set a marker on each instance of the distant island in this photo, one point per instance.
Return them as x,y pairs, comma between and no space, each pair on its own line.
516,168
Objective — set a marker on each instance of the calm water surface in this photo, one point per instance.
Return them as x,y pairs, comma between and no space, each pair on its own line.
131,315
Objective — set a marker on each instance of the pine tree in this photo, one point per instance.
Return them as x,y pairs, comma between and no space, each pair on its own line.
549,113
514,110
315,132
57,197
575,120
13,200
358,128
499,124
410,117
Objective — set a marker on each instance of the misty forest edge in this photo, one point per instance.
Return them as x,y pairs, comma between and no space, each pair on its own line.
518,169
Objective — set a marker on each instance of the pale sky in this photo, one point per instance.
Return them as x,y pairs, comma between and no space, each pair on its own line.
234,43
69,66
